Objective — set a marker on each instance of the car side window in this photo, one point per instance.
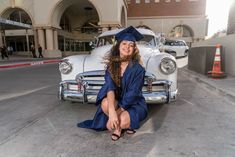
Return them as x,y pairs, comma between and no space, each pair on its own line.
107,40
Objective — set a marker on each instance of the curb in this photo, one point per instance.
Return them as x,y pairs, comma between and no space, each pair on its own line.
28,64
219,90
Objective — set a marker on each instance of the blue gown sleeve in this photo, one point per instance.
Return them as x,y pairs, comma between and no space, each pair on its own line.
109,85
109,82
134,92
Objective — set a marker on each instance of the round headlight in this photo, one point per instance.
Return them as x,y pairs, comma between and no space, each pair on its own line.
167,66
65,67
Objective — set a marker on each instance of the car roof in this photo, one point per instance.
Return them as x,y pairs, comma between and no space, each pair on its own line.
115,31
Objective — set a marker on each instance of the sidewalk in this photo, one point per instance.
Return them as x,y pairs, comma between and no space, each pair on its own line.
225,86
20,61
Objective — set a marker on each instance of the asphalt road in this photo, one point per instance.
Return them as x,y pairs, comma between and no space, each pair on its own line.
34,123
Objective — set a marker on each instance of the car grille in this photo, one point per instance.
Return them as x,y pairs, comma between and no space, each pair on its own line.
95,79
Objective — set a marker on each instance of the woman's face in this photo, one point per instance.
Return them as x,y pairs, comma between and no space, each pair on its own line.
126,48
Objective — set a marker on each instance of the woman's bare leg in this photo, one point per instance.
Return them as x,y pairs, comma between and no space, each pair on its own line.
105,109
125,120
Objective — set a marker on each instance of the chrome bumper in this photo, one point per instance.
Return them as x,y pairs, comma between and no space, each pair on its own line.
86,96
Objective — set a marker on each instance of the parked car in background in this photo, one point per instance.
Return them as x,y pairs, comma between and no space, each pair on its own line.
82,76
177,48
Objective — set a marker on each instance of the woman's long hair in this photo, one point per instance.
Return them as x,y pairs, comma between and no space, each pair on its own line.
113,61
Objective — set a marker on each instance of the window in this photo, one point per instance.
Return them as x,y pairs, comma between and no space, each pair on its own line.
167,1
128,1
192,0
177,0
137,1
156,1
147,1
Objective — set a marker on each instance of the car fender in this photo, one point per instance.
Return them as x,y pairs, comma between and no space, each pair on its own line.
153,66
77,62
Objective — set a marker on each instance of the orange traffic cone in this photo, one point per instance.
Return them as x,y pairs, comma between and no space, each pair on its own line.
216,71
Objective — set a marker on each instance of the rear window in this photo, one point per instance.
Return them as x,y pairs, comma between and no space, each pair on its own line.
174,43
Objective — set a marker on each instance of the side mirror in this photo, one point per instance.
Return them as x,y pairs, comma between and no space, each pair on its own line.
92,44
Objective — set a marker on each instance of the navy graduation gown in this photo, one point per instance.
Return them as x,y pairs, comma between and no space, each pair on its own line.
131,98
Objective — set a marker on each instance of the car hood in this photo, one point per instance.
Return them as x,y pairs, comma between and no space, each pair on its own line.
95,61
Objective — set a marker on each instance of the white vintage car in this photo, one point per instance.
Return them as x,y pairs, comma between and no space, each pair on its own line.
83,75
177,48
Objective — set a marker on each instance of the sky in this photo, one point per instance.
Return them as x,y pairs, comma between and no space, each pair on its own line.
217,13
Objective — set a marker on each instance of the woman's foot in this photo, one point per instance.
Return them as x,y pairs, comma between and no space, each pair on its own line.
116,135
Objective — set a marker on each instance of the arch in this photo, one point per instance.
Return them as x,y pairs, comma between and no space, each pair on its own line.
181,31
61,6
143,26
123,16
9,10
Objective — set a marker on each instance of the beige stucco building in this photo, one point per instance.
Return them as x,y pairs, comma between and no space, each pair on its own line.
176,19
231,20
64,27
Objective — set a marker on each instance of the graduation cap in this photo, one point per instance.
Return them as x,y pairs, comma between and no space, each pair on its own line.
129,34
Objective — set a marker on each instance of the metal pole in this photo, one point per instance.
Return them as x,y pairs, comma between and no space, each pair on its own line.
64,44
1,41
15,45
4,38
27,41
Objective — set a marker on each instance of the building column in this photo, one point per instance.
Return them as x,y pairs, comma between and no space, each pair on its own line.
55,39
49,39
1,42
41,38
35,36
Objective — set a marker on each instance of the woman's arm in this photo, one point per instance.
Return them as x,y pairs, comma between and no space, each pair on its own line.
113,119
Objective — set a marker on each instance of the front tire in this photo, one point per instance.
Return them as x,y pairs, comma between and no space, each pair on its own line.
186,53
60,94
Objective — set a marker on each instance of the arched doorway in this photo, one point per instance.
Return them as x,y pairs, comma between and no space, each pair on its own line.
183,32
18,40
144,26
78,23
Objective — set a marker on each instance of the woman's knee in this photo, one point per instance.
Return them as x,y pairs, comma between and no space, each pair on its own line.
104,105
125,120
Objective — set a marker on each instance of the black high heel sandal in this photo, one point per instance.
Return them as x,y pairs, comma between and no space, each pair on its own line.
130,131
116,137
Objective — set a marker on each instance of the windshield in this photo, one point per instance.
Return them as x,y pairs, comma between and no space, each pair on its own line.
109,40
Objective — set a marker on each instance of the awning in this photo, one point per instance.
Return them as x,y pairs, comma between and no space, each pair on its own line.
11,25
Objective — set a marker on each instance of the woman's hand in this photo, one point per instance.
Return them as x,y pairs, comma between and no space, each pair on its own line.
113,119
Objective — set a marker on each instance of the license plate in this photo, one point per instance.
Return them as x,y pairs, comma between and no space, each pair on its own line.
73,87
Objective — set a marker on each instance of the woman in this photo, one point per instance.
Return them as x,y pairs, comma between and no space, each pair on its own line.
121,103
